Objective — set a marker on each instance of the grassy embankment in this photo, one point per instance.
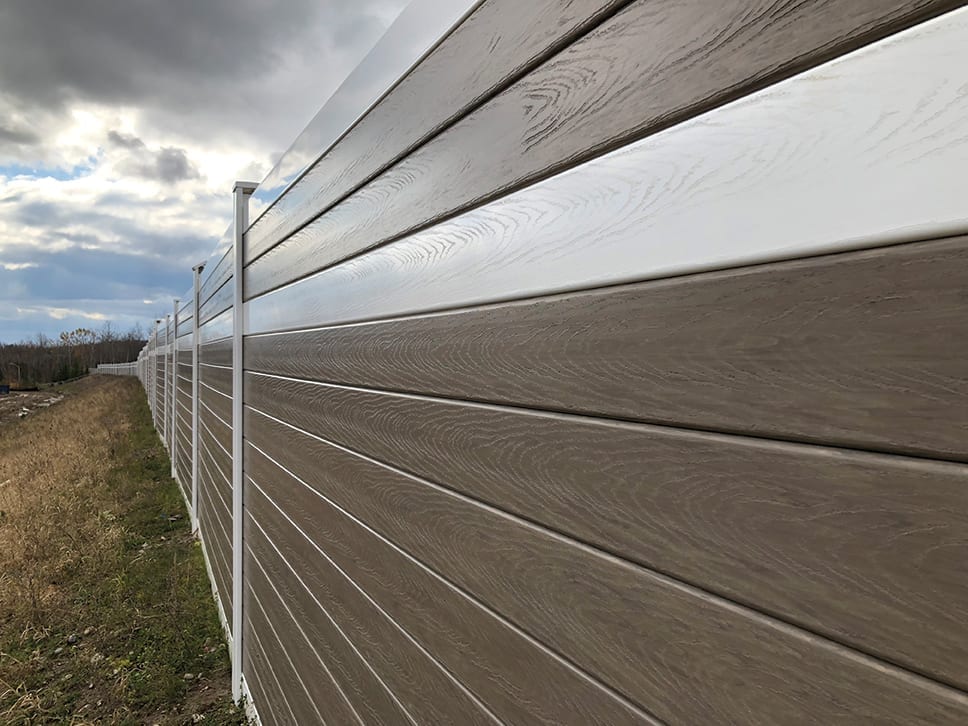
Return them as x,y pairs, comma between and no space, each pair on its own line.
106,614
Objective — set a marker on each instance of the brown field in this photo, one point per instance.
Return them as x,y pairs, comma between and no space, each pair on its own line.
105,608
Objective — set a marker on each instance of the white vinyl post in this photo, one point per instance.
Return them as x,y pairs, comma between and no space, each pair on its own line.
164,386
174,387
241,193
197,273
151,379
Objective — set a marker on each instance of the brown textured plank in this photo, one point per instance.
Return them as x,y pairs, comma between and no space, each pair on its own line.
217,378
514,37
218,353
219,429
821,537
216,402
184,405
214,548
221,577
324,653
860,349
424,688
650,66
517,680
258,667
669,648
308,696
219,487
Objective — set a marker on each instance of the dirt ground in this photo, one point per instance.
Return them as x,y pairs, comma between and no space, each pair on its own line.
20,404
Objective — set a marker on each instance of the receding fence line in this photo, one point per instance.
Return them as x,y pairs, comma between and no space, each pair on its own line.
585,391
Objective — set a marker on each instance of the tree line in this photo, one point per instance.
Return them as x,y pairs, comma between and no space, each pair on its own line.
47,360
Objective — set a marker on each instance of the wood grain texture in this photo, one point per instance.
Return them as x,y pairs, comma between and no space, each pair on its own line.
732,187
670,649
871,550
218,403
429,694
218,353
219,430
513,36
816,350
649,67
219,557
307,695
323,650
258,668
212,460
216,377
220,562
218,507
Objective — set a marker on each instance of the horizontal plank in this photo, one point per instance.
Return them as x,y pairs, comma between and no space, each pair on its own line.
815,350
339,679
305,695
183,405
218,552
217,402
215,275
515,37
415,32
182,444
218,353
220,301
217,328
669,648
259,670
518,681
214,464
219,544
216,377
426,690
819,537
219,429
634,202
652,66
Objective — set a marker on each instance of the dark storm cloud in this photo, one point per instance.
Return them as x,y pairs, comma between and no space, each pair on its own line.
18,136
169,164
210,62
125,141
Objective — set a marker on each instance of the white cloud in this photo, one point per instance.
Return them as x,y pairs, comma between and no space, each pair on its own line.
61,313
14,266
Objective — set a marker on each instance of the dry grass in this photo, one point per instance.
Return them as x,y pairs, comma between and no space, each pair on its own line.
104,602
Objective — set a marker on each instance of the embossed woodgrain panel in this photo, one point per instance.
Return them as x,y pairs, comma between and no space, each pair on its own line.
860,349
672,649
321,650
518,680
821,537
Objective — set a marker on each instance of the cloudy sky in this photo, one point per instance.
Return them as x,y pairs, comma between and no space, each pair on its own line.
123,124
